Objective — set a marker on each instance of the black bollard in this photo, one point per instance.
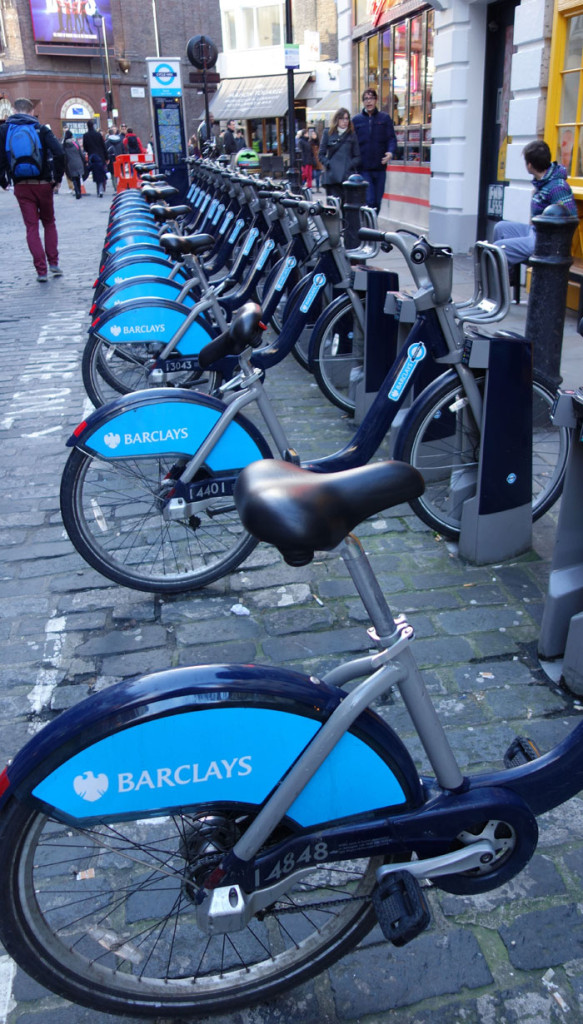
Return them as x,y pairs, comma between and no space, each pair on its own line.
354,196
294,177
545,315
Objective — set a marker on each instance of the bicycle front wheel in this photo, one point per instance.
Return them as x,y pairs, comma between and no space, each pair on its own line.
113,513
105,915
443,443
337,354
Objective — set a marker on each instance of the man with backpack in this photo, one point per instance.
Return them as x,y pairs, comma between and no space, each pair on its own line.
34,161
132,144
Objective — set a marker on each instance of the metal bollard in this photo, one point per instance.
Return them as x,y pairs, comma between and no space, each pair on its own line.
545,315
354,196
294,176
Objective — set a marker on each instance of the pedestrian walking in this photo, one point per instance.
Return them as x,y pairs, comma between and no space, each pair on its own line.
33,160
229,143
306,158
93,142
74,162
99,173
114,147
133,145
339,153
240,140
378,144
315,144
551,187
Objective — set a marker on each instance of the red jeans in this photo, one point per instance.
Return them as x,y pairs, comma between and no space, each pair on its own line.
307,170
36,204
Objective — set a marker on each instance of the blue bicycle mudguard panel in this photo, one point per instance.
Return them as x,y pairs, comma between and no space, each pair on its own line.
151,320
138,238
143,288
140,268
208,734
163,422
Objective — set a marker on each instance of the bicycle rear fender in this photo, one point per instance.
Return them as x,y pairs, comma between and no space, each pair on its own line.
160,421
143,288
142,266
206,735
125,241
150,320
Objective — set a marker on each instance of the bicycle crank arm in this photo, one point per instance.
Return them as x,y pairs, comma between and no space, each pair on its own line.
477,855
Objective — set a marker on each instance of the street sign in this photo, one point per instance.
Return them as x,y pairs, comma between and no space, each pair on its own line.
197,77
202,52
103,105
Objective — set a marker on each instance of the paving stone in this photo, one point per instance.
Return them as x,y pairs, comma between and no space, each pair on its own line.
544,938
124,641
382,977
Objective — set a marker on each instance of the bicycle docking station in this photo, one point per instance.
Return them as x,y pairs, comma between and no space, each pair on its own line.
495,486
561,632
381,340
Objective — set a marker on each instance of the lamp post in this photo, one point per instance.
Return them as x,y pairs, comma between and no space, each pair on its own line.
99,21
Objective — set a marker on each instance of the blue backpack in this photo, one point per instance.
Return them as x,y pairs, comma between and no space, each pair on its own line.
24,150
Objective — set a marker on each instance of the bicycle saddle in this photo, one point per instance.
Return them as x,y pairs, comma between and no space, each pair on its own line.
153,193
178,245
162,213
299,511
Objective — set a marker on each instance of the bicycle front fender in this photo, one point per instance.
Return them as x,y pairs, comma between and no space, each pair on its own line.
160,421
208,735
329,311
150,320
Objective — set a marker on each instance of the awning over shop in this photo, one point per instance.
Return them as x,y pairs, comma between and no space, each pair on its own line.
328,105
242,98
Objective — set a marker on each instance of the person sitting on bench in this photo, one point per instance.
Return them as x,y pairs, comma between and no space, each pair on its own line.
550,187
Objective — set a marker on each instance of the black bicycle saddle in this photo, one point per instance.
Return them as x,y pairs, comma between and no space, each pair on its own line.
179,245
299,511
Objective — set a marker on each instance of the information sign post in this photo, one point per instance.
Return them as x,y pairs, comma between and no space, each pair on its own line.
168,118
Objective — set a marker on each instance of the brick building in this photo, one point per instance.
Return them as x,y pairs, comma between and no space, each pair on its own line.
66,58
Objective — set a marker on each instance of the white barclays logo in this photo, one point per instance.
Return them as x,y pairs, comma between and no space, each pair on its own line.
112,440
90,787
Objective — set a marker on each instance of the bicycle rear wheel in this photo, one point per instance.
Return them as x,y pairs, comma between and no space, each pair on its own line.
113,513
442,442
105,916
110,370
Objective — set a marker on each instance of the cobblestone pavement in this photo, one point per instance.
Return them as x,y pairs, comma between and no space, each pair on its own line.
515,955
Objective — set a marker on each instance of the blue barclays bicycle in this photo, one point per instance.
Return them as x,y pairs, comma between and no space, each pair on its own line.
147,491
196,840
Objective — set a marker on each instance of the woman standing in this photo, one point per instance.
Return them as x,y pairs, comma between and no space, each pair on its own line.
74,162
315,144
339,153
306,158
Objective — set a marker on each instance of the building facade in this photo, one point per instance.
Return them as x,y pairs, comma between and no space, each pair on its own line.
73,56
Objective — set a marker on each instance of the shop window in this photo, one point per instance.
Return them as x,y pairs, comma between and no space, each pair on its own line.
564,122
269,26
372,78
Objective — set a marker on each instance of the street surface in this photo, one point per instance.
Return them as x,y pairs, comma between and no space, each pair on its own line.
514,955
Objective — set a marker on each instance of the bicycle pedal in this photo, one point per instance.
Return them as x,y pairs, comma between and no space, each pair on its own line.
521,751
401,908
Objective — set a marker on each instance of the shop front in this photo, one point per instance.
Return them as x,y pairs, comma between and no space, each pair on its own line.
393,53
564,112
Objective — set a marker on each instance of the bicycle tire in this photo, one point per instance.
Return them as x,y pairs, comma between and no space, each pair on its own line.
102,915
453,445
337,353
110,370
112,511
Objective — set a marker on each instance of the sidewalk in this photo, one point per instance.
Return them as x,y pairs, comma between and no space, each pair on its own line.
512,956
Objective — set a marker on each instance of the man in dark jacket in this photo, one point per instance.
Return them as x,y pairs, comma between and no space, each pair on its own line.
229,138
35,194
93,143
378,143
